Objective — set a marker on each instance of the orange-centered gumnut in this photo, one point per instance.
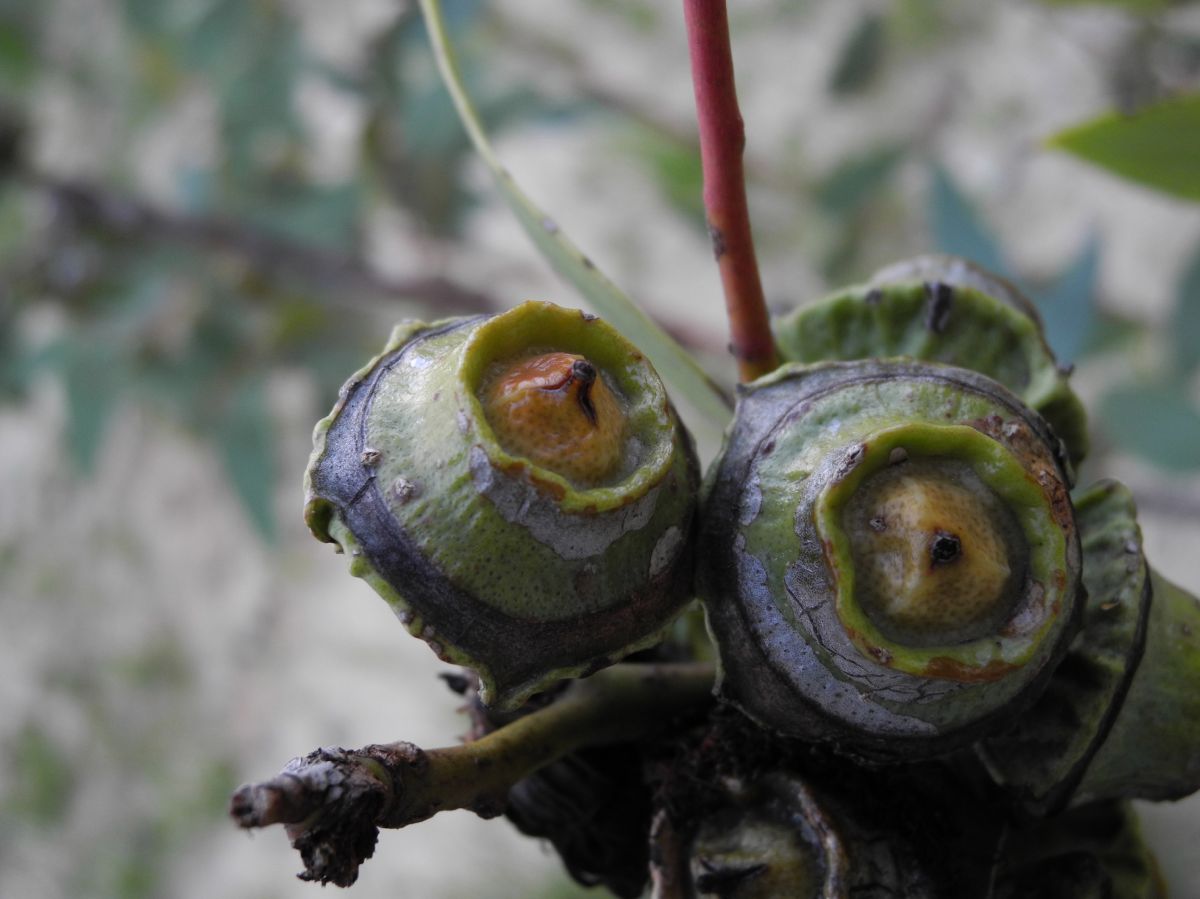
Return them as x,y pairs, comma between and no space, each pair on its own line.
557,411
932,555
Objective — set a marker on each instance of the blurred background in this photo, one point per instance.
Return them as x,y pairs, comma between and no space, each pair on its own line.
211,211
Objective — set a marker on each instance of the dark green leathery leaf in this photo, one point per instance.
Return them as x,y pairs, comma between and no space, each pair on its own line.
1120,718
501,564
942,309
785,555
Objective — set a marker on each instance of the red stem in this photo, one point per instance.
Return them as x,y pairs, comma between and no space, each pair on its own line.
722,139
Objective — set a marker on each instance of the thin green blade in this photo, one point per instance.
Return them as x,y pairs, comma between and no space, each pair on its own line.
673,362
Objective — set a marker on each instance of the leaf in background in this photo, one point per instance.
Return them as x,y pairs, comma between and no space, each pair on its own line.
1158,146
1068,306
330,367
1113,333
194,188
94,375
15,357
254,83
841,262
18,61
1134,6
1157,422
429,123
42,780
676,171
673,362
183,382
638,14
957,229
312,214
424,163
861,56
220,36
1185,324
849,186
151,17
246,438
461,15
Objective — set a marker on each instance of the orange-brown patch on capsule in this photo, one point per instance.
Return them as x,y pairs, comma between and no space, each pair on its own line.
944,668
557,411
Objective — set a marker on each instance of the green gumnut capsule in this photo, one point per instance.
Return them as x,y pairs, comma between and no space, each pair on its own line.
887,556
942,309
1120,718
517,487
776,836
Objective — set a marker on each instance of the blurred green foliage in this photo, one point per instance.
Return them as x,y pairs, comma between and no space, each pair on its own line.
861,57
1134,6
43,777
254,266
249,262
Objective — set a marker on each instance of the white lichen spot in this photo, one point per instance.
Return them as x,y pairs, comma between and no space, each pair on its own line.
404,490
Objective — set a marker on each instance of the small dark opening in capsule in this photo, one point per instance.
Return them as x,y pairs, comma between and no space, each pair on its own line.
945,548
585,373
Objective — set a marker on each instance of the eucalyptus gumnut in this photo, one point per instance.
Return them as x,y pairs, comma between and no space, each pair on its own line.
888,555
518,488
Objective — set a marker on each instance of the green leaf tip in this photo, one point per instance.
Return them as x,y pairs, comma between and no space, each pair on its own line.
1158,146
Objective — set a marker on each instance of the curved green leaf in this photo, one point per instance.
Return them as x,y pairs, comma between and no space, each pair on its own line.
856,181
1185,323
958,229
94,378
1157,422
673,362
1068,306
1130,6
1158,146
246,439
861,57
